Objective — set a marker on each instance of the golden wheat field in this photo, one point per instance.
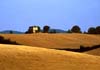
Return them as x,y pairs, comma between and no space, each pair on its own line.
54,40
18,57
94,52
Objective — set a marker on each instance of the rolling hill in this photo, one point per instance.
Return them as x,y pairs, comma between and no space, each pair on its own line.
18,57
94,52
58,30
8,32
59,40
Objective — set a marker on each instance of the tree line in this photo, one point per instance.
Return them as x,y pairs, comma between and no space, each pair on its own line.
91,30
74,29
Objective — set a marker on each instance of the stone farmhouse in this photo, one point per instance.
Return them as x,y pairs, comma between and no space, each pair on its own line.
33,29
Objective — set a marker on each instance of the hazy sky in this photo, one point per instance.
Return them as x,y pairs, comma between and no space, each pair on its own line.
63,14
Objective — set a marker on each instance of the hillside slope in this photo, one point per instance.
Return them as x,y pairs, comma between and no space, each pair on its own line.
14,57
54,40
94,52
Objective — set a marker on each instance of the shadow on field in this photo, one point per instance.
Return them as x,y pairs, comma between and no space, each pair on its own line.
81,49
7,41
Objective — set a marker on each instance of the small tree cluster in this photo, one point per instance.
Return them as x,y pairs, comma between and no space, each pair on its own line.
74,29
93,30
30,30
38,29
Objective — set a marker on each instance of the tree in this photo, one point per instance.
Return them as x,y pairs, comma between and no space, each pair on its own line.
98,30
33,29
92,30
39,29
26,32
76,29
46,29
11,32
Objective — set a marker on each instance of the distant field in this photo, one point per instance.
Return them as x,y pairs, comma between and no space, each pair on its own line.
17,57
54,40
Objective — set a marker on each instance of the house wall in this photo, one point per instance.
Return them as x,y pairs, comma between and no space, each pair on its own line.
35,29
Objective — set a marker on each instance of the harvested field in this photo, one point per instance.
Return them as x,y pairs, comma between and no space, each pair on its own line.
54,40
20,57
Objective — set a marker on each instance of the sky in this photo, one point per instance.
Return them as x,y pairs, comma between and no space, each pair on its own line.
60,14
